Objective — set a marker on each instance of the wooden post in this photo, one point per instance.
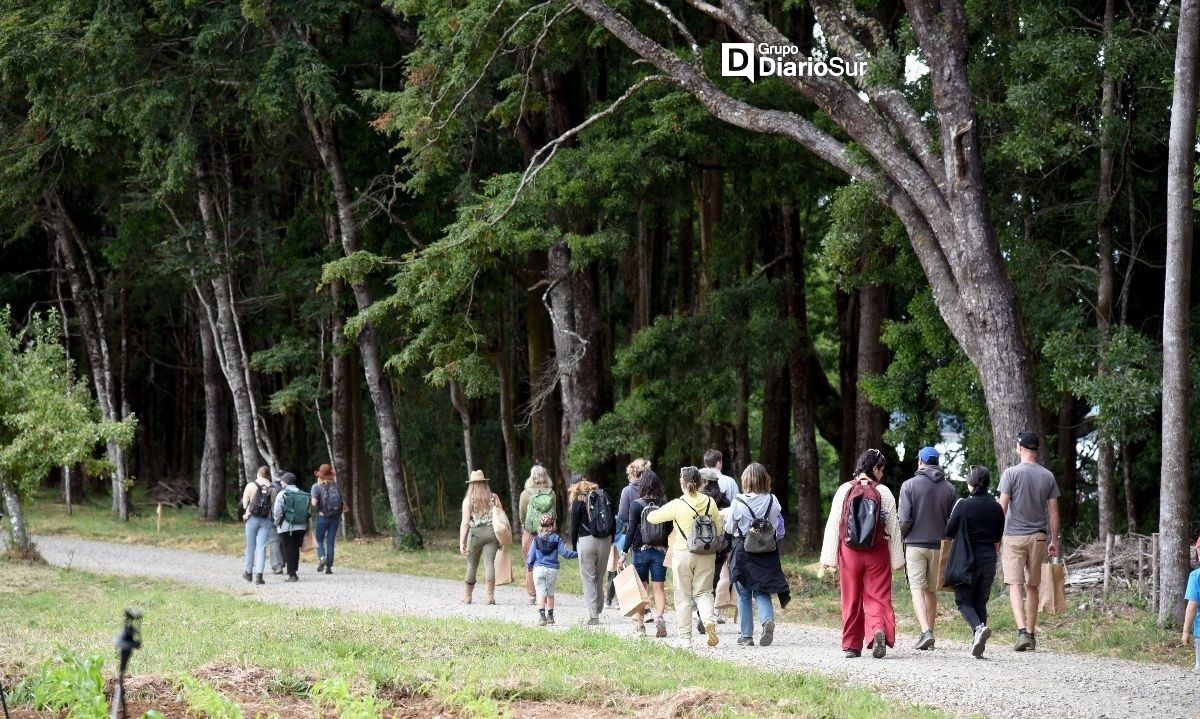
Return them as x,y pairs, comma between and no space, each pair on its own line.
1154,569
1141,565
1108,549
66,474
158,521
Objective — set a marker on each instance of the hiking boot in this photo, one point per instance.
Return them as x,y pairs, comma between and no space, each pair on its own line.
320,564
745,641
593,621
768,633
329,570
550,616
468,588
660,628
258,579
292,578
491,592
879,645
710,628
699,626
247,576
852,654
1025,641
925,641
541,617
979,640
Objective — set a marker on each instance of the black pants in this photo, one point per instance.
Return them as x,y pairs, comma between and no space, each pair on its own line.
972,598
291,549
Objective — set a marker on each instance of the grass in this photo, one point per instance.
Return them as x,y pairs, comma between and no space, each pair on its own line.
476,667
1119,627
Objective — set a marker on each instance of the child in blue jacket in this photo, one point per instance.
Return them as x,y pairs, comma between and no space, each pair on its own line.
543,556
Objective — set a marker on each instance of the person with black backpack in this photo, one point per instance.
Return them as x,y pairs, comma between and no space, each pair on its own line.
862,543
592,528
647,545
257,501
697,525
291,511
329,504
754,566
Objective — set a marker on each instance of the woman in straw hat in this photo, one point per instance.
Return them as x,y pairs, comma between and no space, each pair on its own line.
477,537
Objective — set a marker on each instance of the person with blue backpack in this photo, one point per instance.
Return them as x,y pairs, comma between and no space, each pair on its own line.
862,543
291,513
329,504
592,528
646,543
542,560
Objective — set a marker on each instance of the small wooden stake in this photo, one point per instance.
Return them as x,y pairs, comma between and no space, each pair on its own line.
1108,549
158,523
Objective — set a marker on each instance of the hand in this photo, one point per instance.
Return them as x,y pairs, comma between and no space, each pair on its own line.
1187,638
1052,549
462,549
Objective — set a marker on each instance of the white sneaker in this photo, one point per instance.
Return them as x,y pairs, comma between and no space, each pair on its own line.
979,640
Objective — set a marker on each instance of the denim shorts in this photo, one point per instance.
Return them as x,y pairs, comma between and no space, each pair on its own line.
545,581
648,563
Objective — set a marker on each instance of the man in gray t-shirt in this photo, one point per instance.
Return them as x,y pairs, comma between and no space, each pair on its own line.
1029,498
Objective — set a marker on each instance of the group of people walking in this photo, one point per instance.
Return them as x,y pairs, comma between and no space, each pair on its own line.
278,515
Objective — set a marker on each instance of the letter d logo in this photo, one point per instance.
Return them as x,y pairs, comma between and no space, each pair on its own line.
737,60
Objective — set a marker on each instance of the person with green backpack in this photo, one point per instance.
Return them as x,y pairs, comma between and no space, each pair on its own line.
536,501
291,512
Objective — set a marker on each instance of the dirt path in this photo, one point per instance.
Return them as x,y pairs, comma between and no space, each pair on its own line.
1005,684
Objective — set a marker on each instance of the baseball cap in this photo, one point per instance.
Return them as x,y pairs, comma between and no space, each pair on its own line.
1029,440
928,455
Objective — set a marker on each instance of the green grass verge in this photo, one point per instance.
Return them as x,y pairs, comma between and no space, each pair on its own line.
1120,627
47,611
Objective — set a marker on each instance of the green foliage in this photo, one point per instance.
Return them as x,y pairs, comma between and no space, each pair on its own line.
336,694
70,684
207,701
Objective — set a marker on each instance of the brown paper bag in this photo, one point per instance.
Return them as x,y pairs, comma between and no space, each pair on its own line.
309,543
944,555
503,566
1053,587
725,596
501,526
631,593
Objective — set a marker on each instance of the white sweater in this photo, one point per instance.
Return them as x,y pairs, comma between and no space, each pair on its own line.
891,526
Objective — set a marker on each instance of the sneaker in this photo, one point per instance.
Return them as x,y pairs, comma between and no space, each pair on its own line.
768,633
320,565
720,619
329,570
979,641
277,571
1025,641
258,579
247,576
852,654
660,628
292,578
550,618
710,628
925,641
745,641
593,621
879,645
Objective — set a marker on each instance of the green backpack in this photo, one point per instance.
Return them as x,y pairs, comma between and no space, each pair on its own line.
539,504
296,507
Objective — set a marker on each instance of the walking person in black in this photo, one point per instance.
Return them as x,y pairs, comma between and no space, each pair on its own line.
984,520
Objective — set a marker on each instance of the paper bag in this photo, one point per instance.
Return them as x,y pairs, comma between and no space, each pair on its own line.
1053,587
501,526
503,566
725,596
309,543
943,556
631,593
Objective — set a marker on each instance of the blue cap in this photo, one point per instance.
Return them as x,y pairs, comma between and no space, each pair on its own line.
928,455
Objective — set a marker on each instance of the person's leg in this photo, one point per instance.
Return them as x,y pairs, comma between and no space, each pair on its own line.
251,537
850,582
275,543
1013,560
682,578
604,547
526,542
931,603
985,575
474,551
262,535
590,572
917,564
721,581
702,586
292,551
1033,569
331,539
745,613
766,607
321,528
877,593
489,560
964,599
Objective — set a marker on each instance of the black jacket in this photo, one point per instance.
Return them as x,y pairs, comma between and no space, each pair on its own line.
984,517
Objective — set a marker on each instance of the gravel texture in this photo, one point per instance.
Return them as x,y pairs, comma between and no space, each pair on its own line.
1004,684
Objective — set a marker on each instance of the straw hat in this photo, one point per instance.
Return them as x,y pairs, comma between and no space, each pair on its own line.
325,472
477,476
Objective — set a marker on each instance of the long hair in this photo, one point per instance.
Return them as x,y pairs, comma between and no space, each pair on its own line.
867,462
978,479
652,488
580,488
479,497
538,478
755,479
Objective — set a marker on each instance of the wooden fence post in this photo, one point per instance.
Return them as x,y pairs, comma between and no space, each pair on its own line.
1154,570
1108,549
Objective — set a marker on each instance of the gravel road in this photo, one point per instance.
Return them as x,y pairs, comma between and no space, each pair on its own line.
1003,685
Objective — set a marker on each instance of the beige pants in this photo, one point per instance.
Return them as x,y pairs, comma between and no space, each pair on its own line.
693,578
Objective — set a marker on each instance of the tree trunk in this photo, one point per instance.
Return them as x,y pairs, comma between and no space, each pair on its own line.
90,311
507,369
870,420
709,191
340,420
360,468
847,304
804,442
1174,486
379,386
17,532
544,422
774,451
1068,478
212,462
462,408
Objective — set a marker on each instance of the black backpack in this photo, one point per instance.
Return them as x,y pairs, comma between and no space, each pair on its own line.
599,514
262,503
654,535
331,500
761,537
861,520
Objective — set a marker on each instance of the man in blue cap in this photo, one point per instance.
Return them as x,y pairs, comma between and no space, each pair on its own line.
925,504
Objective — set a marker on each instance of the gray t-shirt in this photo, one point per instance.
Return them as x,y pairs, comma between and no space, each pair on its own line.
1029,487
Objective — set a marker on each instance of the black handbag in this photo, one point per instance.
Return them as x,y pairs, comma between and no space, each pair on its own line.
960,567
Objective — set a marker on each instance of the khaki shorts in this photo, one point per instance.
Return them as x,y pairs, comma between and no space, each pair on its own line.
1021,557
923,565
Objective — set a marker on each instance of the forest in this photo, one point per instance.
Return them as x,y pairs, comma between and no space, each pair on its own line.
413,238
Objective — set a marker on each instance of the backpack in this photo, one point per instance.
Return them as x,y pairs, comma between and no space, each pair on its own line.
703,539
712,488
540,505
599,514
761,537
654,535
295,507
331,500
861,519
260,506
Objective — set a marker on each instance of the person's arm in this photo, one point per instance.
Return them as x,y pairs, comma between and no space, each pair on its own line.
663,514
952,523
895,546
633,536
248,497
529,556
905,514
1052,510
463,526
566,553
523,507
716,517
829,545
1189,619
623,503
277,508
316,492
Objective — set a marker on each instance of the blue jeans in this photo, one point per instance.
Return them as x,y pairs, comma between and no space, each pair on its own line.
327,528
258,533
766,610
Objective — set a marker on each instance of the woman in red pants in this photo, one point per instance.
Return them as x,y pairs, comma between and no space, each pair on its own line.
865,566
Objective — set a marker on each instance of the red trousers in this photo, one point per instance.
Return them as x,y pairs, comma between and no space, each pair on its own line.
866,582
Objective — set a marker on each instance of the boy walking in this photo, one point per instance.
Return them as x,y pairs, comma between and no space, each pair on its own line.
542,559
